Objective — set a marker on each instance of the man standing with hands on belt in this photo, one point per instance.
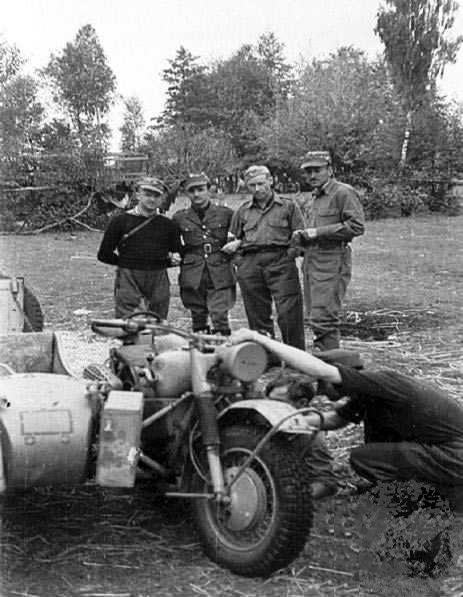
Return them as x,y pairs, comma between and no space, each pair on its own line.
336,218
206,281
266,270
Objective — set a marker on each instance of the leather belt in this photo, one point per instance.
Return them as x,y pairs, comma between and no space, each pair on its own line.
205,249
263,249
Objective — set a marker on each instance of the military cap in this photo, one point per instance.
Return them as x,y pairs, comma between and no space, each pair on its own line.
254,171
316,158
340,356
196,180
151,183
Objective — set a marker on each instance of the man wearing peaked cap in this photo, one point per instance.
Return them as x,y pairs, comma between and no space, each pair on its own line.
139,243
335,218
266,269
206,280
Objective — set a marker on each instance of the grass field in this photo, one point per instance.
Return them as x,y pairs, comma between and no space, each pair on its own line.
408,276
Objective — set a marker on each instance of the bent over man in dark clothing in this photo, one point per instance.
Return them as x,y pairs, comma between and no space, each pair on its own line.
139,242
413,430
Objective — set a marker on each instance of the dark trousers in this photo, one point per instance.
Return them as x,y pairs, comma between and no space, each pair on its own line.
141,290
272,275
441,465
326,276
206,301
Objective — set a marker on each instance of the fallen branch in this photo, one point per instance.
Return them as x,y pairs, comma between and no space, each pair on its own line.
63,220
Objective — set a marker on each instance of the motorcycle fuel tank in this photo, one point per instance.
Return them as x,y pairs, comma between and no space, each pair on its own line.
45,430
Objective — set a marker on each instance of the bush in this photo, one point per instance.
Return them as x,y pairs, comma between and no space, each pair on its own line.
387,199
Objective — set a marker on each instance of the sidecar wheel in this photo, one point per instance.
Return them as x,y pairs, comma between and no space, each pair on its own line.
266,523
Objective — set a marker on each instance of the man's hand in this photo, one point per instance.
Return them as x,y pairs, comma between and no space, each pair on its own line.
304,236
243,335
175,259
231,247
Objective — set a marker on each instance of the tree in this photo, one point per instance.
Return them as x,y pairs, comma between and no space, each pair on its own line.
417,46
20,115
271,54
133,125
173,156
187,92
345,104
83,81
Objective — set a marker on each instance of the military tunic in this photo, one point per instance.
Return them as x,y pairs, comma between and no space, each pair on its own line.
206,280
337,215
266,270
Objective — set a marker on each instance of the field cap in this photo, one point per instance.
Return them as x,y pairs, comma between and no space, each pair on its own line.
151,183
196,180
316,158
340,356
254,171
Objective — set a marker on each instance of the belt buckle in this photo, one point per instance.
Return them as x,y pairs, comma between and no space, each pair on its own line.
207,247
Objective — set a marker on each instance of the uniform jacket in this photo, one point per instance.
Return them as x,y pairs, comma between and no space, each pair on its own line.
336,213
272,226
202,241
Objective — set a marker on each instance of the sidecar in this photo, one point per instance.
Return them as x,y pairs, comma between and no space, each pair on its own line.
207,437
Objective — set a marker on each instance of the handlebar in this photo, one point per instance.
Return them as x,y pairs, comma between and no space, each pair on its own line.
133,326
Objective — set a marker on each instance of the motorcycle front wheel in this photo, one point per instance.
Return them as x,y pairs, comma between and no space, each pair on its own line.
268,519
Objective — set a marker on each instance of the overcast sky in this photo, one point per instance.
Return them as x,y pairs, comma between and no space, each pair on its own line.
138,36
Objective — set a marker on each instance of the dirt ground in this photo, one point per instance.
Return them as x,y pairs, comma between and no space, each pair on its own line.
404,311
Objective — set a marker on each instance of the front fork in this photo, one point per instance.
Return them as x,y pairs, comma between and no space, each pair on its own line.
204,398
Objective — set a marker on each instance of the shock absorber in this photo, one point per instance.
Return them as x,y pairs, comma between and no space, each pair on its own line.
200,365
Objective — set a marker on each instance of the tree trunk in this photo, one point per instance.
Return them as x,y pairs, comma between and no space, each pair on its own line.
406,139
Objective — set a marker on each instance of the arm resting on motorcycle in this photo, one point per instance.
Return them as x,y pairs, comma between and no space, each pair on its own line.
304,362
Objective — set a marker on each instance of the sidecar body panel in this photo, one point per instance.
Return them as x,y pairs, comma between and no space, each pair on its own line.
39,352
45,430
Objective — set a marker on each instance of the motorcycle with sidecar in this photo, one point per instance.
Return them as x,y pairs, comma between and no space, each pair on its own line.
176,409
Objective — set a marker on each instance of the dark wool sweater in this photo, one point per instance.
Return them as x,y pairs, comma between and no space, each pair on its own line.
146,249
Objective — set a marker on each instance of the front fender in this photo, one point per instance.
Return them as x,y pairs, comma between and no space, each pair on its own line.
274,412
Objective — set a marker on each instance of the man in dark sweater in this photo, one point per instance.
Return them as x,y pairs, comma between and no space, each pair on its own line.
139,242
413,430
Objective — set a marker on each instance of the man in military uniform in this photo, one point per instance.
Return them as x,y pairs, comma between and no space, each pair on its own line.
266,268
336,217
207,282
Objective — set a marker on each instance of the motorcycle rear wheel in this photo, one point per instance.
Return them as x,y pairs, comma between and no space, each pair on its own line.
267,523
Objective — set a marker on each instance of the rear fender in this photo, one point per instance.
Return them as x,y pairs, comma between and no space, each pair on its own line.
271,413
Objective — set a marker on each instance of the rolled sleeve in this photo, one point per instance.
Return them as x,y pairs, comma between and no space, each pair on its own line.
236,225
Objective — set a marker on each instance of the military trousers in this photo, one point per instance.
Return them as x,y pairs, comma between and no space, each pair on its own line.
267,276
207,301
141,290
327,273
440,465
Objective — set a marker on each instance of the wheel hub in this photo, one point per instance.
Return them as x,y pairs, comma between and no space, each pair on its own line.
248,501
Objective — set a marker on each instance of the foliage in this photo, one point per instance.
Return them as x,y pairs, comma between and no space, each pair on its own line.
20,114
327,110
187,91
417,46
83,81
398,198
176,151
133,125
